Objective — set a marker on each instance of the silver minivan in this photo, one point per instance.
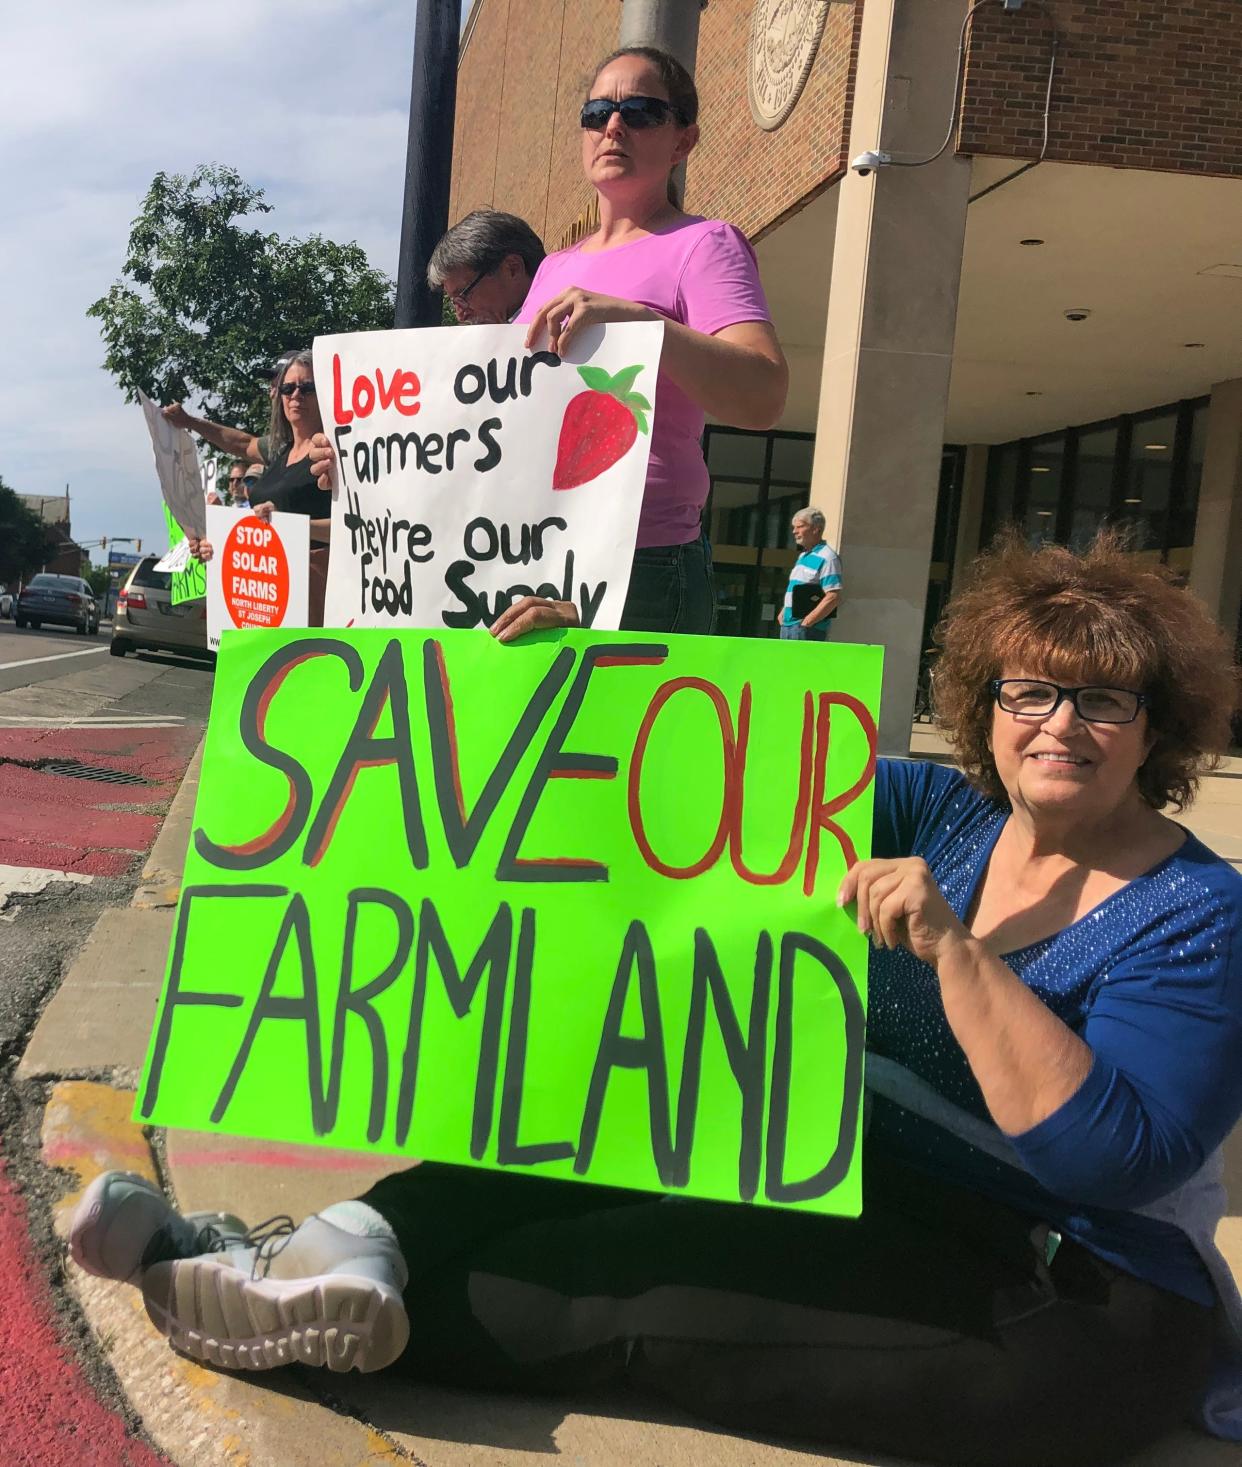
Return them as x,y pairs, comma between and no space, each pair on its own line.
147,620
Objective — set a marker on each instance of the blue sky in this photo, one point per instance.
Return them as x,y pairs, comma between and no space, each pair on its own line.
307,100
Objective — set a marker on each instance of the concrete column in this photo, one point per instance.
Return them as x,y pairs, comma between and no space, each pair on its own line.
892,310
1216,571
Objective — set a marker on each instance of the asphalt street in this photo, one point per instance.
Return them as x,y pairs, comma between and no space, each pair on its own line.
92,749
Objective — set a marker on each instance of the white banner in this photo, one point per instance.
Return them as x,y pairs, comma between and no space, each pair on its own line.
176,463
259,571
471,472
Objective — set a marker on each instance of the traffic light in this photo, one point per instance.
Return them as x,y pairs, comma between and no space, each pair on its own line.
103,542
138,546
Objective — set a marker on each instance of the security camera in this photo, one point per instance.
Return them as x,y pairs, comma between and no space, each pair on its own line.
867,163
1077,313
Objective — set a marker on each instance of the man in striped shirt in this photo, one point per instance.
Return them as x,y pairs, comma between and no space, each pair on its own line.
814,587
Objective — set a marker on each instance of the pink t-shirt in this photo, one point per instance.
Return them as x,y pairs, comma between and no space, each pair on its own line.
703,273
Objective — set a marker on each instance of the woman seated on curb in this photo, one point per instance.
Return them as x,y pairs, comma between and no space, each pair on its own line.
1055,1056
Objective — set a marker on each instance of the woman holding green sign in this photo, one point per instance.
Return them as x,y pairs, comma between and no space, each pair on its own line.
1055,1056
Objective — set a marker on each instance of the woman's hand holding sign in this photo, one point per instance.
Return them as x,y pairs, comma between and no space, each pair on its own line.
567,313
322,462
533,614
900,905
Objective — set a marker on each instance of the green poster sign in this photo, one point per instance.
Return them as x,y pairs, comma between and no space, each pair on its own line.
564,906
191,583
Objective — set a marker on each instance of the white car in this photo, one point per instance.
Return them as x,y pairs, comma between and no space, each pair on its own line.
6,604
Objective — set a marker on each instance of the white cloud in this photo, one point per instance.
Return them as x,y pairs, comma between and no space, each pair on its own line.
307,100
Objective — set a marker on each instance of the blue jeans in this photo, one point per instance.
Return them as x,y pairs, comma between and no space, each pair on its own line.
799,633
671,589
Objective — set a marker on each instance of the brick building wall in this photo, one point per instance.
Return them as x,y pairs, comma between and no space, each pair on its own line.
1140,84
524,71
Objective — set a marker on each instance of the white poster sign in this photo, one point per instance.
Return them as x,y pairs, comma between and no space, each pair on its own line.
471,472
176,463
259,571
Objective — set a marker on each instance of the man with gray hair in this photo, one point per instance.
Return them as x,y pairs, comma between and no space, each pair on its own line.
814,588
484,265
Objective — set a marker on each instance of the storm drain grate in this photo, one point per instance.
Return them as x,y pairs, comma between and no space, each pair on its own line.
75,769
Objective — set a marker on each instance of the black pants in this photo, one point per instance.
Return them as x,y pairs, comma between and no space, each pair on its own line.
933,1328
671,589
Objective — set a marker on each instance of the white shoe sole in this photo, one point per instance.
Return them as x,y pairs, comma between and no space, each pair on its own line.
222,1316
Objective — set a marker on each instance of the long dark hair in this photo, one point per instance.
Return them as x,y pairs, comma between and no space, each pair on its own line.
279,433
683,95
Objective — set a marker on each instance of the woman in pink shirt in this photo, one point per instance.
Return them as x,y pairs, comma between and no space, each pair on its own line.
649,261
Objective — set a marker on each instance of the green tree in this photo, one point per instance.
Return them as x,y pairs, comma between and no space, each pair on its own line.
25,541
97,577
207,301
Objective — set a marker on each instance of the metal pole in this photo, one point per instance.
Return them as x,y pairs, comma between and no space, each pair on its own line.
673,26
428,158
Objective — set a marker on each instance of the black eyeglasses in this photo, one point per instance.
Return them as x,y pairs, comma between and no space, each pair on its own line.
287,389
1031,698
636,112
460,297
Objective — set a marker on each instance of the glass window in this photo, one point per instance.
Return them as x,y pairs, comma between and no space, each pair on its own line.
1002,486
1149,479
1185,509
736,455
791,458
1093,484
735,518
1045,473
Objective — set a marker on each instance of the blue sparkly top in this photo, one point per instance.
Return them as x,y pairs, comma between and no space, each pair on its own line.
1151,980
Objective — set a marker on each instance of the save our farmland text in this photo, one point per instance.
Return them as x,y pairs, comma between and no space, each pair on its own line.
748,986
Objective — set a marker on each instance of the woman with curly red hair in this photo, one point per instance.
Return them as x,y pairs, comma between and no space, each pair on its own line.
1055,1056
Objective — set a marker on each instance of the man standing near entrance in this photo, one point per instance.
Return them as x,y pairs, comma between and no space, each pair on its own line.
814,587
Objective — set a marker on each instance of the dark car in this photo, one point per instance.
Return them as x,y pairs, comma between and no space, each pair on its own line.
146,618
60,601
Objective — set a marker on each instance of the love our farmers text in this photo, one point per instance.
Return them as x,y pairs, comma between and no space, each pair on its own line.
566,906
471,472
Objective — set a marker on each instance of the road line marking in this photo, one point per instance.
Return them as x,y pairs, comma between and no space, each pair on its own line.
51,657
81,723
137,718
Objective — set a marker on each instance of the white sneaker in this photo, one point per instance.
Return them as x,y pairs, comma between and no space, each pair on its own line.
124,1223
319,1294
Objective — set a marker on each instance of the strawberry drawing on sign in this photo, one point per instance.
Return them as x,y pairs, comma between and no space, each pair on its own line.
599,427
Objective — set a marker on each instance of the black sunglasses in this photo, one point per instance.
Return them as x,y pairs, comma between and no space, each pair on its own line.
287,389
636,112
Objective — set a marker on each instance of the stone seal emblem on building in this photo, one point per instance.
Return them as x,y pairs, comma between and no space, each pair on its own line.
784,37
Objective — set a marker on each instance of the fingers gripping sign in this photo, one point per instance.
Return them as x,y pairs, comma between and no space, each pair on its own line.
899,905
563,318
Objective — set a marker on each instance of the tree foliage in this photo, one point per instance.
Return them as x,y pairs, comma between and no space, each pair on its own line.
25,541
207,301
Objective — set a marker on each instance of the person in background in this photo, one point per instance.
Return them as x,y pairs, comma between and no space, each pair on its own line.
243,478
288,487
814,589
484,265
237,442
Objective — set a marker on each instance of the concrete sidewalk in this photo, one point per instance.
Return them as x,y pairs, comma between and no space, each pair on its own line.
90,1045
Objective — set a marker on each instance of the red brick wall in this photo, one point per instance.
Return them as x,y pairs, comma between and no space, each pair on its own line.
524,72
748,176
1140,84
